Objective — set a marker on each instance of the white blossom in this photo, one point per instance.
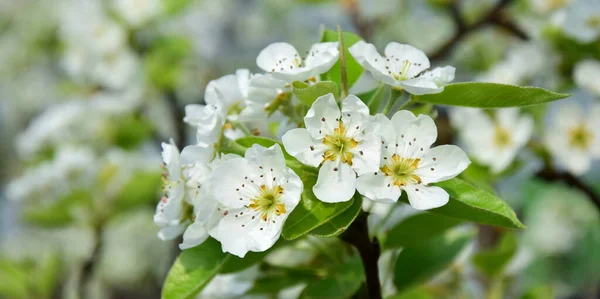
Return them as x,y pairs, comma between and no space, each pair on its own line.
572,137
582,20
402,66
137,12
283,62
257,192
408,163
493,142
586,75
340,142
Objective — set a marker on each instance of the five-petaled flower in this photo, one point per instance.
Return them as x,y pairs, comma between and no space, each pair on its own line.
408,163
403,67
282,61
342,143
257,193
492,142
573,137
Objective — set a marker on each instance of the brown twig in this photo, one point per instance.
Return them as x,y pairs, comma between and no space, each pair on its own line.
495,16
358,236
89,266
550,175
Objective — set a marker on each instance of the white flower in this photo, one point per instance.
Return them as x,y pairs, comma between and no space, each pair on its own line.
408,163
170,210
586,75
221,95
283,62
341,142
116,70
582,20
403,66
258,192
493,142
572,137
545,6
137,12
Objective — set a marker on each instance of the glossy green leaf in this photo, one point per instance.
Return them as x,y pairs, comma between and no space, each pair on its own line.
418,228
539,292
491,262
311,212
274,281
417,264
374,98
193,269
490,95
342,284
415,293
474,204
354,69
308,93
341,222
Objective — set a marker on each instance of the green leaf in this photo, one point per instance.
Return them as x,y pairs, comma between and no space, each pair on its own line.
143,187
130,132
311,212
45,276
341,222
342,284
58,213
308,93
354,70
193,269
429,225
415,293
14,280
274,281
417,264
539,292
490,95
175,6
491,262
374,98
473,204
164,63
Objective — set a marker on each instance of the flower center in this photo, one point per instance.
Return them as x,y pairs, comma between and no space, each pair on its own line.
402,170
502,137
593,22
268,202
339,145
580,137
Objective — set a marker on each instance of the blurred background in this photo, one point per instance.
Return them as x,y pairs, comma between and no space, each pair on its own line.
89,90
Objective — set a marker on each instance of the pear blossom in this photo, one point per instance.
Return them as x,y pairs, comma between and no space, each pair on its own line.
572,137
137,12
283,62
402,66
492,142
408,163
170,210
341,142
257,193
221,95
582,20
586,75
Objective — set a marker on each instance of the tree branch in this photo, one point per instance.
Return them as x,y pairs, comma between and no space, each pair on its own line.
358,236
495,16
89,266
551,175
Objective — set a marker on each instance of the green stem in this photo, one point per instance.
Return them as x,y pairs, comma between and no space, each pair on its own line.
343,69
241,127
394,95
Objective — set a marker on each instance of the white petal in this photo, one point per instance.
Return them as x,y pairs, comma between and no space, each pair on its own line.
194,235
169,210
426,197
170,155
358,51
398,53
385,128
421,85
277,57
300,144
321,57
449,161
354,106
440,75
171,232
233,230
228,87
229,185
367,155
503,159
193,154
571,114
336,182
268,158
414,137
322,117
576,162
523,130
378,187
243,81
378,65
507,117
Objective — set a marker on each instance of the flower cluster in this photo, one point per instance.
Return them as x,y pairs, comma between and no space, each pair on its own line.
243,201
